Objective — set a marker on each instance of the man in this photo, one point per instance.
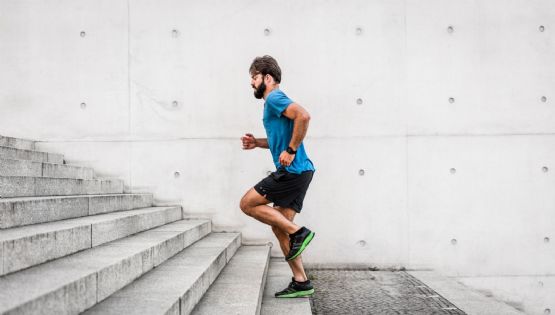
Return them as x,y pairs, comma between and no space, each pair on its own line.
286,124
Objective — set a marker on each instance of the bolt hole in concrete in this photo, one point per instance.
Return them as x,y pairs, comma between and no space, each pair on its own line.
361,172
361,243
176,174
175,104
544,99
547,311
454,241
83,105
267,31
368,290
546,239
359,101
83,34
451,100
358,31
542,28
175,33
545,169
450,29
453,170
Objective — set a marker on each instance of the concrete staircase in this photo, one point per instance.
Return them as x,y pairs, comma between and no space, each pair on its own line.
71,243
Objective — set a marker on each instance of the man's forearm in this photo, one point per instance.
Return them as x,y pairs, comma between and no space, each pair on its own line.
262,143
300,127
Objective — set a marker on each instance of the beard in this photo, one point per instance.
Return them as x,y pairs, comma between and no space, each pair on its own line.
259,92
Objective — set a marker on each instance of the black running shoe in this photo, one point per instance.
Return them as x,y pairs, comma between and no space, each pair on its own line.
296,289
298,241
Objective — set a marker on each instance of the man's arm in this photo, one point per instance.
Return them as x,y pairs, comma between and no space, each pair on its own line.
262,143
250,142
300,118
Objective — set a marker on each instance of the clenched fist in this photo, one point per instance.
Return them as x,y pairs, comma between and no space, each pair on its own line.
286,159
249,141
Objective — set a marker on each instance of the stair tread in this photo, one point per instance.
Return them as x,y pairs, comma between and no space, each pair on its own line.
241,282
21,186
31,155
18,143
29,168
57,178
44,162
36,151
29,284
161,289
279,276
40,198
29,230
22,211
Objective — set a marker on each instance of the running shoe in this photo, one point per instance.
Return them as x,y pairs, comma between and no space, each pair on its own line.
298,242
296,289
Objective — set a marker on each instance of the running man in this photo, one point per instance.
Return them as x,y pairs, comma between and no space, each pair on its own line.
286,124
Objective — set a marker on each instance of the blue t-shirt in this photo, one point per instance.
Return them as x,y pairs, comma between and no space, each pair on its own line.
279,130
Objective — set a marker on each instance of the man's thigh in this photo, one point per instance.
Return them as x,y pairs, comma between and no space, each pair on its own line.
253,198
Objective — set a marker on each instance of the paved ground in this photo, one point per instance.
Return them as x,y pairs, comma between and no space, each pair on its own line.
374,292
531,294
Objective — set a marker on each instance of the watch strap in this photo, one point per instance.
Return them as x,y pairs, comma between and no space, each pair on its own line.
290,150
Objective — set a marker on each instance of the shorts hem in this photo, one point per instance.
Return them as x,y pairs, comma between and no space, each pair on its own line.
265,195
288,206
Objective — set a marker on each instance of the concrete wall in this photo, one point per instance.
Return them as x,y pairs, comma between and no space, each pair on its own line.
445,106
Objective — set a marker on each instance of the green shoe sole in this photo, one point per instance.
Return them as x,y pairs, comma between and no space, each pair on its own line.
305,244
297,294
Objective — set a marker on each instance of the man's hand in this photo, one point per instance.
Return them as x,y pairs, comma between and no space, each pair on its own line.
249,141
286,159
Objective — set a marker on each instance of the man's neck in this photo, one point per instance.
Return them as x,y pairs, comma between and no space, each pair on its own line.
270,90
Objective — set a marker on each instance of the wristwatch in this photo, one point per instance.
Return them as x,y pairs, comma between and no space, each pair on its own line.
290,150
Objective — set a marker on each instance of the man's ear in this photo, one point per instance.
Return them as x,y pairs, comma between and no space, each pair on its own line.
268,79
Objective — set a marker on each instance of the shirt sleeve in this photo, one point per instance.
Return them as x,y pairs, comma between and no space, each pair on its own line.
277,103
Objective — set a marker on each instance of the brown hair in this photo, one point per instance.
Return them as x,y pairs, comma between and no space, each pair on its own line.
266,65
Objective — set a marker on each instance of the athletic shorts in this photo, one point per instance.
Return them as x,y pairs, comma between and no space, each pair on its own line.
285,189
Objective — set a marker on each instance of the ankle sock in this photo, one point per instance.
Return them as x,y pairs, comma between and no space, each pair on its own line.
305,282
298,232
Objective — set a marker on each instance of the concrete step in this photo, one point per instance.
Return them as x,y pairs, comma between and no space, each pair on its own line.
176,286
27,246
75,283
17,143
240,286
37,156
32,210
10,167
22,186
279,276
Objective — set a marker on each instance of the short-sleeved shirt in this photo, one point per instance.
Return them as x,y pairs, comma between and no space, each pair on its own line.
279,130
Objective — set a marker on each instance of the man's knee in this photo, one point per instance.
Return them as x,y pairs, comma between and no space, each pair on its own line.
245,206
250,201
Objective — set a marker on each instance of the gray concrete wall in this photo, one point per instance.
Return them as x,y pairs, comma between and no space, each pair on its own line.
446,107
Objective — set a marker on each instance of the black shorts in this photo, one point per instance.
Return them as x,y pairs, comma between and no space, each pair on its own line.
285,189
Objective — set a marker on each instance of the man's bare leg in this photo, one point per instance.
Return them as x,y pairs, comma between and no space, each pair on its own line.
255,205
296,264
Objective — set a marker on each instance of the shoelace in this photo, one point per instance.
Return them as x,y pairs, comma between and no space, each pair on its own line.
291,287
